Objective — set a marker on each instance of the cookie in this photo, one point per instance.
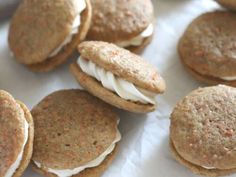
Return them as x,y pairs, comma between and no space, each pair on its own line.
76,135
230,4
118,76
202,131
128,24
44,34
16,136
208,48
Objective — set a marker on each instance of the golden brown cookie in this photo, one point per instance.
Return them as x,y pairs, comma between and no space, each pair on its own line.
202,131
75,133
208,48
121,22
15,145
230,4
43,34
118,76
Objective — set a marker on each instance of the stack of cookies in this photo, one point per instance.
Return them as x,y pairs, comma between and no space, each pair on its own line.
208,48
74,133
203,124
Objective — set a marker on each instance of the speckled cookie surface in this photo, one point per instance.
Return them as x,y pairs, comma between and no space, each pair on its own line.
68,50
119,20
208,45
123,64
11,123
203,127
72,123
95,88
231,4
12,117
52,23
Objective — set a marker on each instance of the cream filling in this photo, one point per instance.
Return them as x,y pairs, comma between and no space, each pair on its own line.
138,40
233,78
123,88
94,163
80,6
16,164
208,168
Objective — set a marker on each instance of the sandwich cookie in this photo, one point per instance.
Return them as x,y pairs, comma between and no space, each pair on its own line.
230,4
76,135
43,34
208,48
128,24
118,77
16,136
203,131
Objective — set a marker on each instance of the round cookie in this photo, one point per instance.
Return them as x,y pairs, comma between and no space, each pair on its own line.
230,4
118,76
129,24
15,146
202,131
207,49
43,34
74,130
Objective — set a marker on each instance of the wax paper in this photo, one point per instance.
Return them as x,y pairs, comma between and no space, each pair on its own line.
144,150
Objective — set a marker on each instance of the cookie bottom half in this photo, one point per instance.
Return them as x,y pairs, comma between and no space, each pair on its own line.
198,169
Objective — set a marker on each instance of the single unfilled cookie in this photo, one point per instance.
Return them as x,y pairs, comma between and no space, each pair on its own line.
75,135
43,34
16,136
230,4
208,48
128,24
202,131
118,76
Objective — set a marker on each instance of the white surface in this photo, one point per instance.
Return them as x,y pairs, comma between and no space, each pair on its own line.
144,148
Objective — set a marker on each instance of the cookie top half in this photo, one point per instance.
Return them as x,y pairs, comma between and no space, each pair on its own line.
119,20
123,64
72,128
209,44
39,27
203,127
12,123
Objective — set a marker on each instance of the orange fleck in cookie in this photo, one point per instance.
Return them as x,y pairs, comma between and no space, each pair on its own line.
43,34
118,76
128,24
76,135
208,48
16,136
202,131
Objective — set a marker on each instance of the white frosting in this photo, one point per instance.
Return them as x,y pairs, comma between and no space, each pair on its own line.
16,164
124,89
94,163
138,40
80,6
233,78
209,168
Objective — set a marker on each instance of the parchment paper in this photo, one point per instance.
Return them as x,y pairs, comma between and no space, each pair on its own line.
144,148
